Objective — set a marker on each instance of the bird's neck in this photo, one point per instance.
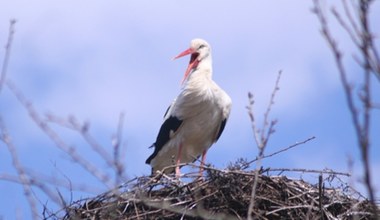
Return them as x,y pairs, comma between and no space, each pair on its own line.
203,72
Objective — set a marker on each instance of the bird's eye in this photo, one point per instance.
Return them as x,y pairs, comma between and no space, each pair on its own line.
201,46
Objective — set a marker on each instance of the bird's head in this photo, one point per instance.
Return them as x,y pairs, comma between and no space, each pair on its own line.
199,50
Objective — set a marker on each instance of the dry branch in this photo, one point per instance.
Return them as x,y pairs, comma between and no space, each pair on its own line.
282,150
261,136
361,111
56,138
7,53
22,176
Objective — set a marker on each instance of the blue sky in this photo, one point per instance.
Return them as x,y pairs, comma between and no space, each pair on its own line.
95,59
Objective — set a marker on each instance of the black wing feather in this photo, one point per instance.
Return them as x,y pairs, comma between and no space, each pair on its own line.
222,125
167,110
170,125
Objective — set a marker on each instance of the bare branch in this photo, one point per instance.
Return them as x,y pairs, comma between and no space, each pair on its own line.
350,17
261,137
22,176
7,53
70,150
265,134
345,26
252,118
282,150
117,142
363,40
83,129
35,182
325,171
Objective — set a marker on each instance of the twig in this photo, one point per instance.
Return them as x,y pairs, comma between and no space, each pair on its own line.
361,120
34,181
83,129
308,171
7,53
291,207
320,199
282,150
71,151
117,142
265,134
22,176
364,36
351,20
345,25
261,137
42,181
198,212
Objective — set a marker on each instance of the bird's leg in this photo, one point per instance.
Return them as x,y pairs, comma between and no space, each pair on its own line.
177,170
202,163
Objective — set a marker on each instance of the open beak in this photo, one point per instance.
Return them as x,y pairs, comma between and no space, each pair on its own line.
192,64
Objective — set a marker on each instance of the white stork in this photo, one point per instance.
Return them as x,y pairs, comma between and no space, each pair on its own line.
196,118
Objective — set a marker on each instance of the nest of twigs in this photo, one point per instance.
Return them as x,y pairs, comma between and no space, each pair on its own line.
223,194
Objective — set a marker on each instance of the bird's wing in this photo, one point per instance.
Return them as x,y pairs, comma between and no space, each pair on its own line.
180,109
169,110
167,131
220,130
225,103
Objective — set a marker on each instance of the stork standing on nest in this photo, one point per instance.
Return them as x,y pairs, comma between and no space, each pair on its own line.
196,118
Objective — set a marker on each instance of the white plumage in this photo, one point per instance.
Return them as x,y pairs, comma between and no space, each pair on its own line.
196,118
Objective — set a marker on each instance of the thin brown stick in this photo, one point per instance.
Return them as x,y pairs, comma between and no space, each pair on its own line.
350,17
364,135
70,150
338,59
42,181
4,135
302,170
362,39
7,53
282,150
261,137
34,182
83,129
265,134
22,176
361,120
320,199
117,143
363,35
345,26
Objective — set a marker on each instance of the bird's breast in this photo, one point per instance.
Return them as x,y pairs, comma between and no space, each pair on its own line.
200,127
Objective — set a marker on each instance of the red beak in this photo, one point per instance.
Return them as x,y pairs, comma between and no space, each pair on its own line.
184,53
192,64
